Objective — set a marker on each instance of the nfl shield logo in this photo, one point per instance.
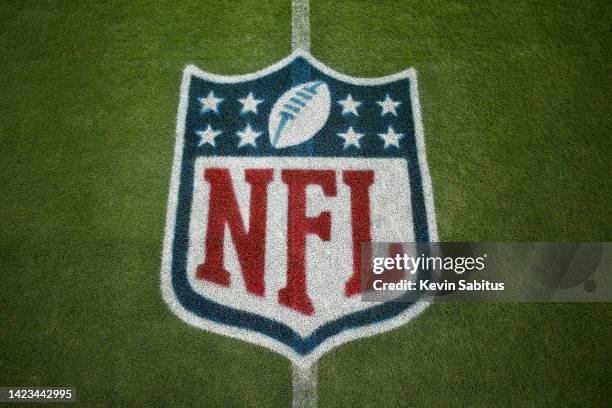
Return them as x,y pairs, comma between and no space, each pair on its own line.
278,177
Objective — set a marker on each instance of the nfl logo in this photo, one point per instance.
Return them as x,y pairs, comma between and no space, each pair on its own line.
278,178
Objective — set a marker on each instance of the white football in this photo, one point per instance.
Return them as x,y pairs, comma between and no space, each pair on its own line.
299,114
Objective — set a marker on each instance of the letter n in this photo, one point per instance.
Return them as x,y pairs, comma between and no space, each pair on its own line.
250,245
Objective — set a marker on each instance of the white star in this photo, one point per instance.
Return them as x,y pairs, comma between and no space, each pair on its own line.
249,104
248,136
351,138
349,105
388,106
391,138
210,103
208,136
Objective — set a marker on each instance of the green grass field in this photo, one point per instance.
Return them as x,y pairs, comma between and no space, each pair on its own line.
518,122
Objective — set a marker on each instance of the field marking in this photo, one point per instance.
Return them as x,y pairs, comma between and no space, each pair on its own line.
304,386
255,337
304,367
430,207
304,378
300,25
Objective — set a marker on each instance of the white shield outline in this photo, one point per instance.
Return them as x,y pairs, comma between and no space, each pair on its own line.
256,337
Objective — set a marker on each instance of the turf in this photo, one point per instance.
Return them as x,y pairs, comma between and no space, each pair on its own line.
516,104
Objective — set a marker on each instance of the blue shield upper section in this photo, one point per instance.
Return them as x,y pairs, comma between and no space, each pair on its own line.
326,143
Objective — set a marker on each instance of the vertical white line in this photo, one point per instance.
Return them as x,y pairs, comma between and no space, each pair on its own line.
300,25
305,386
304,378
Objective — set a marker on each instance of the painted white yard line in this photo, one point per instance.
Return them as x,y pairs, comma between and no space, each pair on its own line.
300,25
304,377
305,386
